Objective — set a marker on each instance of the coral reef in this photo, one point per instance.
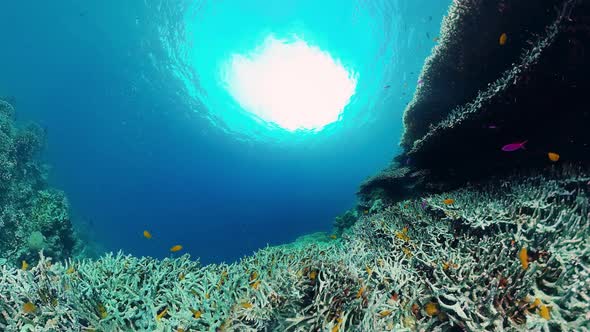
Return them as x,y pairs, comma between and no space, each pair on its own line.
478,95
510,254
439,241
32,215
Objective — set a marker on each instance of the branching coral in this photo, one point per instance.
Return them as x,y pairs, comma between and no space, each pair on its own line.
459,260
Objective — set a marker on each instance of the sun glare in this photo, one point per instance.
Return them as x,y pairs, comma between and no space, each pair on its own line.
291,84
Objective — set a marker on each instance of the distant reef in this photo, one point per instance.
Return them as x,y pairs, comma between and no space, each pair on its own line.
33,216
456,235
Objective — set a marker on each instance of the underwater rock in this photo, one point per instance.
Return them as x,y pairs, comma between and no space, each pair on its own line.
478,96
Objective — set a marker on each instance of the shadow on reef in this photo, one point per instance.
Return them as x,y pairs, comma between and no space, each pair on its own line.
478,96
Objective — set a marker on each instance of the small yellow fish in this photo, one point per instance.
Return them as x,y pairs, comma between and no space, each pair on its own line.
29,307
407,251
176,248
403,235
162,314
256,284
180,329
503,39
24,266
449,201
431,309
535,303
360,292
181,276
544,312
553,156
147,235
524,258
102,311
253,276
207,296
196,313
336,327
369,270
366,211
333,237
247,305
70,269
313,274
385,313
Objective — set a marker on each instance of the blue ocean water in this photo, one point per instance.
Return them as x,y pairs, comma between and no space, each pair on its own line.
142,134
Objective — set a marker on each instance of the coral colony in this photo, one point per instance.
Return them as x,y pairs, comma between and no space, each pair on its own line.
457,235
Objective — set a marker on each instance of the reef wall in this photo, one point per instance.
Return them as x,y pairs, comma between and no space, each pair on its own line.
33,216
479,94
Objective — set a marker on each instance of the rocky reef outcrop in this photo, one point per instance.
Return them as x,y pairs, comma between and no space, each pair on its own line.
33,216
479,93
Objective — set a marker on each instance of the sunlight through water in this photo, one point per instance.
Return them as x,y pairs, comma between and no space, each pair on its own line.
280,71
291,84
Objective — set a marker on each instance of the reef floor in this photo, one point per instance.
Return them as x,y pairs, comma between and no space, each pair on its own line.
509,254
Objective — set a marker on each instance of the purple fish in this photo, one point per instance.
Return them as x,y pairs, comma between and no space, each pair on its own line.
513,146
492,126
424,204
420,82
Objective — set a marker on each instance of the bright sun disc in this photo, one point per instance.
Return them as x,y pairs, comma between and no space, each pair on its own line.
291,84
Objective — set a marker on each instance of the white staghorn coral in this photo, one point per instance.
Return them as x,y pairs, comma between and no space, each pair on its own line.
404,268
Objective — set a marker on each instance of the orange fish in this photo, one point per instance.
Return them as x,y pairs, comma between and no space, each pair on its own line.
385,313
360,292
176,248
162,314
431,309
196,313
449,201
29,307
147,235
553,156
256,284
394,296
503,39
313,274
524,258
544,312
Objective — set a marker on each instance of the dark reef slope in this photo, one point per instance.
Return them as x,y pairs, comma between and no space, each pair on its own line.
33,216
456,235
478,95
